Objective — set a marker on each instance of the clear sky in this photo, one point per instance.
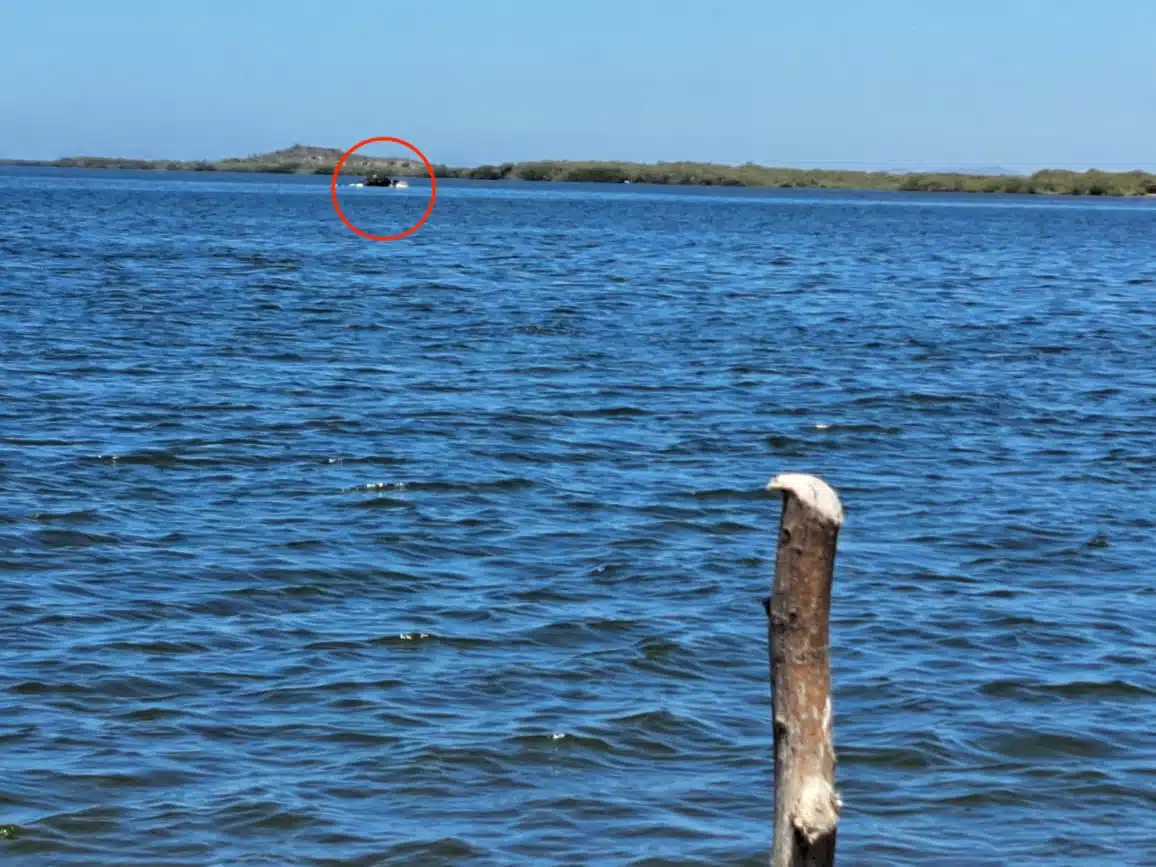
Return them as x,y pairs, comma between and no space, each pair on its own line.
1019,84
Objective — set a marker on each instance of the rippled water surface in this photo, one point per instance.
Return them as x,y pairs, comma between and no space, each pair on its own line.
450,551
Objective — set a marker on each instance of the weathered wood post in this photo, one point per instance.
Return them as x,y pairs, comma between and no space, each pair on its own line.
798,611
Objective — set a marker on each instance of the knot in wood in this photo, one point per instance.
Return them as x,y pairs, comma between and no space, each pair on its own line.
784,617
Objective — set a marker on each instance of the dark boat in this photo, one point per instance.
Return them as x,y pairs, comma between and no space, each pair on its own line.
377,179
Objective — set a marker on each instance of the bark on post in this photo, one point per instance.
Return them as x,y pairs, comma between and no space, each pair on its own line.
806,804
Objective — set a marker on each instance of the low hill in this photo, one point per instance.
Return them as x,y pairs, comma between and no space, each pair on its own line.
309,159
298,159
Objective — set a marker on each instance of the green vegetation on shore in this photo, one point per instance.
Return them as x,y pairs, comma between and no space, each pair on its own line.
1046,182
303,159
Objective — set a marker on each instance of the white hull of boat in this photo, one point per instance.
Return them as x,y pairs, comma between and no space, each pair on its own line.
401,185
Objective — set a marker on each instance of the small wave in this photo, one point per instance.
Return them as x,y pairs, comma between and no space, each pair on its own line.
1091,690
80,516
1022,746
625,411
380,502
75,539
153,458
730,495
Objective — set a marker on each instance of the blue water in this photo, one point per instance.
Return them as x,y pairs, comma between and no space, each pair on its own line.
450,551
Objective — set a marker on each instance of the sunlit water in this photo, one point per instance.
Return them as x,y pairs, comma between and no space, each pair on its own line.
450,551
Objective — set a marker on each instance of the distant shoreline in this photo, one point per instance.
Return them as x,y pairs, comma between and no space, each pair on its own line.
305,159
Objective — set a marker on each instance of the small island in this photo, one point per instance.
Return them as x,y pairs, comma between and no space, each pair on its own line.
306,159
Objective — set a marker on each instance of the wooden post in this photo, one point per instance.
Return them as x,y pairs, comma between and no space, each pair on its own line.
798,611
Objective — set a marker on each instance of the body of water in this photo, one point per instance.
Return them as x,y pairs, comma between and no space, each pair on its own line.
450,551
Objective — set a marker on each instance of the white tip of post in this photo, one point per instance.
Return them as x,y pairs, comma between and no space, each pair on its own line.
813,493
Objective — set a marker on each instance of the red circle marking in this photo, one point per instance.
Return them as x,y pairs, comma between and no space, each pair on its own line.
433,193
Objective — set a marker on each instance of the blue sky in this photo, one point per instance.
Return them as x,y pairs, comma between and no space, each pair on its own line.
875,83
